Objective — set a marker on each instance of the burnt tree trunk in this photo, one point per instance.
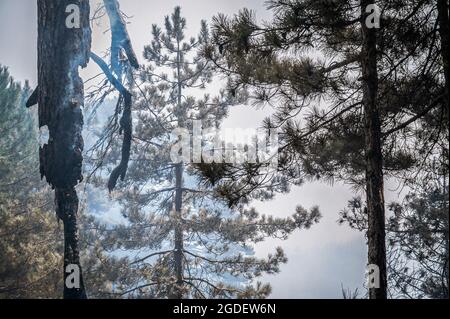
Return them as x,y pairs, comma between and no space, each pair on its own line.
121,51
374,159
60,95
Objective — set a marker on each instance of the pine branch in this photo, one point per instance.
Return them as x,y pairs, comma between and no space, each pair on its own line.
151,255
421,114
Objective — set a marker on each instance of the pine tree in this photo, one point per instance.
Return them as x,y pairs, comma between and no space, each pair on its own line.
30,251
418,237
417,234
187,242
346,96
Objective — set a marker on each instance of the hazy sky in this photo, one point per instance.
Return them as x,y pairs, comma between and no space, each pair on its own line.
321,259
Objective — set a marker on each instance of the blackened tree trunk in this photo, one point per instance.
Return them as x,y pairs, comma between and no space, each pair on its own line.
62,49
374,160
67,208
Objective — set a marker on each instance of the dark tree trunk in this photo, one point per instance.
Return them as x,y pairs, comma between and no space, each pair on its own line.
445,272
178,253
374,160
66,208
60,95
179,244
444,31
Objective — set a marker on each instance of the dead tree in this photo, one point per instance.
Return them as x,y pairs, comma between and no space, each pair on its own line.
62,49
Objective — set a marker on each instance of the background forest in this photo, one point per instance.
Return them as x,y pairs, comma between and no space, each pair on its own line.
362,174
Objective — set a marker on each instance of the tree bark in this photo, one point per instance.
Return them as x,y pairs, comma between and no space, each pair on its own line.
67,208
179,247
60,95
444,31
374,159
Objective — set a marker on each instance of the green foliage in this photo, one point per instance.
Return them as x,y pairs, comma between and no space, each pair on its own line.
30,252
418,242
306,63
217,248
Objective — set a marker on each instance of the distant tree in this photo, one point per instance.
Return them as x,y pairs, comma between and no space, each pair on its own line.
30,249
187,242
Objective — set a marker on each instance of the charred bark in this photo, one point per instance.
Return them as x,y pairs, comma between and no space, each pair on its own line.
121,52
374,159
66,201
126,128
126,124
60,96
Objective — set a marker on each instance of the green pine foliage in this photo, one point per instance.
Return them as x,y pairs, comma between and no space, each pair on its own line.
306,63
216,242
30,250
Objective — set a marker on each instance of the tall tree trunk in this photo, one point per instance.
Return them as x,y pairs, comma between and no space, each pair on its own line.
61,51
444,31
374,161
445,272
179,246
178,254
67,207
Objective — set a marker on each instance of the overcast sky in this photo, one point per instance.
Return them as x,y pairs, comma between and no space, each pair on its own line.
321,259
